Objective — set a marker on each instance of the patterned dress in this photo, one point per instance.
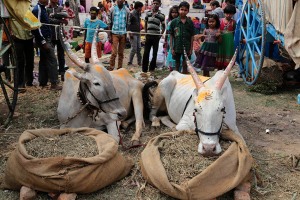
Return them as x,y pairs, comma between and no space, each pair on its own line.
68,30
206,58
226,49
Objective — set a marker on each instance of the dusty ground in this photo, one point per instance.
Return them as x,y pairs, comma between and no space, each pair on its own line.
276,177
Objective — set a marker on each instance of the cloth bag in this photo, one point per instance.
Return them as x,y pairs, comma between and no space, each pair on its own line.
227,172
66,174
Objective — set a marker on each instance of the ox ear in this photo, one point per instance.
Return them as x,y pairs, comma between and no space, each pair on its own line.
220,82
70,53
84,77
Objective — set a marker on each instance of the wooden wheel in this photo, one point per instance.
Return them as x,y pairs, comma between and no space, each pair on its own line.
252,39
8,75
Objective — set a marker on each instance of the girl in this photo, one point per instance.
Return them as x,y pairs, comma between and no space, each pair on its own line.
206,58
227,27
173,13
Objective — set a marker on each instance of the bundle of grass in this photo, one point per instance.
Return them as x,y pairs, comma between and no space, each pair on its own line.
66,145
170,162
181,159
79,160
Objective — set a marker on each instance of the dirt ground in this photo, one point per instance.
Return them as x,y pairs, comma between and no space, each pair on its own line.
275,151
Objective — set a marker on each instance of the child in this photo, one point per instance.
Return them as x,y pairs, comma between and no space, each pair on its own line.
216,9
91,25
206,58
182,34
173,13
227,27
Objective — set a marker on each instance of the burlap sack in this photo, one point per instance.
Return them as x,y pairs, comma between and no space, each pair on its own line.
20,10
227,172
66,174
292,36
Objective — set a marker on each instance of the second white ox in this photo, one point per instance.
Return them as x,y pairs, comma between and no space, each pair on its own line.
197,103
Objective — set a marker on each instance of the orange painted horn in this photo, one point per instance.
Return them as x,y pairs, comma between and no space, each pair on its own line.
220,82
83,65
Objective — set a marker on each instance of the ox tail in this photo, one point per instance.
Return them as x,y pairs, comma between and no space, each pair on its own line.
147,96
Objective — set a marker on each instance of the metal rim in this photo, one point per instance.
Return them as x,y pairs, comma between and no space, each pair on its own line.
9,92
252,40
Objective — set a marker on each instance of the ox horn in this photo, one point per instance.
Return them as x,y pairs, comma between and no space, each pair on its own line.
94,54
199,84
70,53
220,82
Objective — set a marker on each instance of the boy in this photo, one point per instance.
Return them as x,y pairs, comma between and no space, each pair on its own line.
91,25
182,36
154,24
135,38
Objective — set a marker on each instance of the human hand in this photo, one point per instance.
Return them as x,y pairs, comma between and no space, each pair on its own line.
173,52
46,47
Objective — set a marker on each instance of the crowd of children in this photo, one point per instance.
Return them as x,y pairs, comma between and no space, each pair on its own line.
209,40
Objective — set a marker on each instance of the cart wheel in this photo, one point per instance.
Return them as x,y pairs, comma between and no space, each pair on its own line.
252,40
8,76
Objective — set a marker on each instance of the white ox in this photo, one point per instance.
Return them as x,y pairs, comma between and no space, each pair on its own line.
195,104
99,98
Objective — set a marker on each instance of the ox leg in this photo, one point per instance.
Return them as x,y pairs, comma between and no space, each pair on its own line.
112,129
157,103
125,124
166,120
138,106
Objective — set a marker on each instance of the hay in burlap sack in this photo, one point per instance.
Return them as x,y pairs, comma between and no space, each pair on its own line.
227,172
66,174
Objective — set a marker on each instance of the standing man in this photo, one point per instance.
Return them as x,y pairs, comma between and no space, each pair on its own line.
23,40
135,38
117,22
48,63
154,24
53,9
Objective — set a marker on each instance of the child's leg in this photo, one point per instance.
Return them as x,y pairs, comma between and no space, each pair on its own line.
184,67
176,57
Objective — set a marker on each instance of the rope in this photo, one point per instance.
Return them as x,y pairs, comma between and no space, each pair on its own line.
127,32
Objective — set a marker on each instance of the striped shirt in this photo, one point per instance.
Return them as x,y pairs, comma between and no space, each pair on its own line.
154,22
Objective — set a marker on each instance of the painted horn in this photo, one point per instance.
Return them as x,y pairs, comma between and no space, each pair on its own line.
193,73
220,82
70,53
94,54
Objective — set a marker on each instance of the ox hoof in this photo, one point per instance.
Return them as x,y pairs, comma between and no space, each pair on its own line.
174,129
67,196
125,126
155,122
241,195
135,144
27,193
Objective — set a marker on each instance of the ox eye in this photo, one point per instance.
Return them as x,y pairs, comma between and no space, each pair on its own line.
98,84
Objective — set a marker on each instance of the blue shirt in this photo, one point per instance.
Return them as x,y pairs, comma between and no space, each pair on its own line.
91,25
119,20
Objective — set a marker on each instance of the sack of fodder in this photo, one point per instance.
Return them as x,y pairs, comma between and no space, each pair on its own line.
171,163
79,160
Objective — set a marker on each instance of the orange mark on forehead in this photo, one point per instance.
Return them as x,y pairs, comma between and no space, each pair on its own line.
203,95
98,68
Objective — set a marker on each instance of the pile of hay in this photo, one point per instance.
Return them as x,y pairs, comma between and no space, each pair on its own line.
66,145
180,157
